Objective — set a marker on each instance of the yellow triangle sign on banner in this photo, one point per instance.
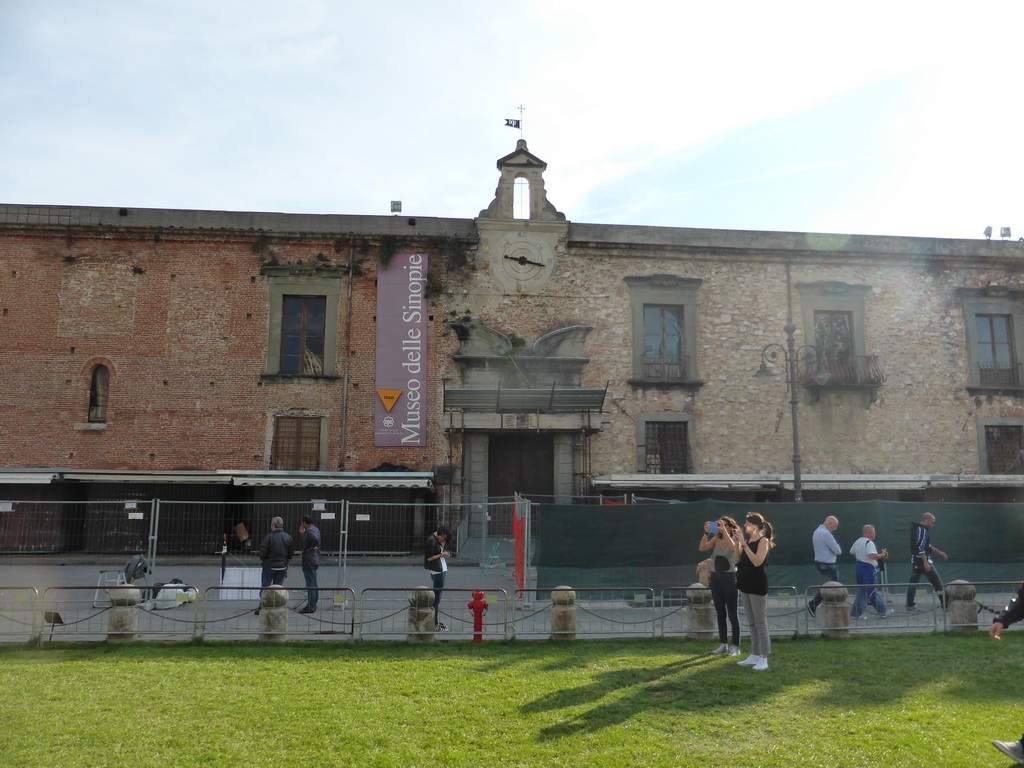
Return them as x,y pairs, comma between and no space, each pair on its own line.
389,397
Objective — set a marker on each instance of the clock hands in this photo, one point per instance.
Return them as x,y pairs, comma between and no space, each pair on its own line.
523,261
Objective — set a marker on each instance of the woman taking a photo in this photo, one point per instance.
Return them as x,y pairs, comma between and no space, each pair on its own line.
719,538
752,582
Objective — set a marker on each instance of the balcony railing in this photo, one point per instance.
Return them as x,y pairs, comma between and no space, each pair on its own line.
859,371
661,370
1000,375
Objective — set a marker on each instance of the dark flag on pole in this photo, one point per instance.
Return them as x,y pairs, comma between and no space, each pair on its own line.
509,123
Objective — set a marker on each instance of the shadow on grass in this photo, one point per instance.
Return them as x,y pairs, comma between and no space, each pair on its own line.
865,672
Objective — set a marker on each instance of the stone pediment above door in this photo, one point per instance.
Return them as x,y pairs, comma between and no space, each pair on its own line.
489,358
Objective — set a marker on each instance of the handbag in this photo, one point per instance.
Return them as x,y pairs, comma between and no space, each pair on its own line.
704,572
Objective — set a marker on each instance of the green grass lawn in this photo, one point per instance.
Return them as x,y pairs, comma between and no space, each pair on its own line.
922,700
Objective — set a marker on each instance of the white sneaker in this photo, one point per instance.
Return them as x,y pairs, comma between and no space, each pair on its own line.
1012,749
723,648
762,664
734,651
750,661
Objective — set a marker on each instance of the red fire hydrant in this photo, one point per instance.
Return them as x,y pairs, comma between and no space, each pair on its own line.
479,607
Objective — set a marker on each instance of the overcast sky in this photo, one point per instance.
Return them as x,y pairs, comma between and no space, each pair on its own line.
889,118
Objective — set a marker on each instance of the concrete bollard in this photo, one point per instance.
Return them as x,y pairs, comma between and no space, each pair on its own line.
961,608
701,612
123,617
834,613
274,614
563,613
421,615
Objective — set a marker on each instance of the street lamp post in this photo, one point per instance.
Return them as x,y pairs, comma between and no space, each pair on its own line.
791,354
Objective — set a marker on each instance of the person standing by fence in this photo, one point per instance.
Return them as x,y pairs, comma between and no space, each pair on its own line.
275,551
724,595
752,582
435,560
310,537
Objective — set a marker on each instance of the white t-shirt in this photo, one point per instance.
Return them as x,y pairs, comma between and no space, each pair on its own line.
863,547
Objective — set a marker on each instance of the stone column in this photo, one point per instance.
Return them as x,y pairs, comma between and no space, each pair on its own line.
700,612
961,608
563,613
421,615
274,614
123,617
834,612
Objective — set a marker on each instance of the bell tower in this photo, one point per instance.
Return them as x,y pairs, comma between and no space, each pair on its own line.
521,252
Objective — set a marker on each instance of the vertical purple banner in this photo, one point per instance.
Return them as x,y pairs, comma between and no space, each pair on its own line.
400,408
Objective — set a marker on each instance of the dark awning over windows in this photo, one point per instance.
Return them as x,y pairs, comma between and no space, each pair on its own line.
553,400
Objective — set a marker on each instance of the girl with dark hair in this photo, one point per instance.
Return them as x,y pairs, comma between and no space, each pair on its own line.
724,596
752,582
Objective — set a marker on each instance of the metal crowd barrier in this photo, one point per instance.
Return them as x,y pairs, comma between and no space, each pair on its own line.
18,618
74,613
929,615
230,612
784,611
383,613
600,612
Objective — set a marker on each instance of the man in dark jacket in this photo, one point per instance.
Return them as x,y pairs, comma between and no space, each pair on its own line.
1011,614
276,552
310,561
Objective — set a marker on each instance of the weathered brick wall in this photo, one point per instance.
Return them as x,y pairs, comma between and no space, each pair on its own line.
181,317
181,321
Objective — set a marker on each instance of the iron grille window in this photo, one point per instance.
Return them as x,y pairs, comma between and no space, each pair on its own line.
663,341
995,357
296,444
1004,448
666,448
302,335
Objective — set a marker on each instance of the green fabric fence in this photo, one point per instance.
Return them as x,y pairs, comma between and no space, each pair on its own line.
655,545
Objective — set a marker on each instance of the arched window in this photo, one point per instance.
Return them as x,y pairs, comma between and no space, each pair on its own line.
521,198
99,389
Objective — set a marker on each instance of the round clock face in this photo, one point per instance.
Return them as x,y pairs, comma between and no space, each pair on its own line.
523,261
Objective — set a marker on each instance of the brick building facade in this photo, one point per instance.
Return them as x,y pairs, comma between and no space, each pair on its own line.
562,359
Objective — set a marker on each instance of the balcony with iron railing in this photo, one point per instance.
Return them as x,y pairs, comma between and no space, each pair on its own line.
1000,376
847,372
656,369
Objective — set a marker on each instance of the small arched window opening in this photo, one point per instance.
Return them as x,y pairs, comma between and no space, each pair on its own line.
521,198
99,390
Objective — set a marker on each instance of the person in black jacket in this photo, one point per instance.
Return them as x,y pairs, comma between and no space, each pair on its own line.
1012,613
276,553
435,560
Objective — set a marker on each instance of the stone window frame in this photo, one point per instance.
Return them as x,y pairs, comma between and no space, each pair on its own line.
982,448
280,286
642,421
323,444
992,300
834,297
664,290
